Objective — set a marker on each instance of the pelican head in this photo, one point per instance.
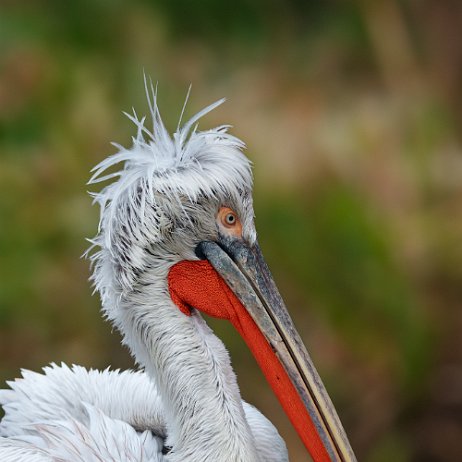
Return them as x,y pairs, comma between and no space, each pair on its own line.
176,238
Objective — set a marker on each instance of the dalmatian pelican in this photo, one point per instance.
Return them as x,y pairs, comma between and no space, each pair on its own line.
176,238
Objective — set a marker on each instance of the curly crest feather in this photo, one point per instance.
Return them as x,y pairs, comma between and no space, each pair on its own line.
189,163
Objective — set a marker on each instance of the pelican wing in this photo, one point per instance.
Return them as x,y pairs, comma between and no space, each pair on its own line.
81,415
61,394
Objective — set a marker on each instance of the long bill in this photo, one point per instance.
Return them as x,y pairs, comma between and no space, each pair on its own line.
264,322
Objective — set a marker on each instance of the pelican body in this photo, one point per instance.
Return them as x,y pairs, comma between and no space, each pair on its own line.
176,238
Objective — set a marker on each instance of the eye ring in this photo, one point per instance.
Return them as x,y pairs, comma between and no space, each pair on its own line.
229,222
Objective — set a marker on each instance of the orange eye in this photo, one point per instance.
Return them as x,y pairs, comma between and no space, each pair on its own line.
229,220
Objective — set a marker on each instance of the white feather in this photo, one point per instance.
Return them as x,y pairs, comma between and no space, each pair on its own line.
12,450
76,414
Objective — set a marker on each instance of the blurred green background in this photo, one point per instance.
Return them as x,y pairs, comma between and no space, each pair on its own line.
351,111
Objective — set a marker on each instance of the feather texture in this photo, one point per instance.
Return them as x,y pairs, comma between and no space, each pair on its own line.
79,415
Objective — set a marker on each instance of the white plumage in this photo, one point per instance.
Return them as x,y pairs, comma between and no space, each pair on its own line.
74,414
186,406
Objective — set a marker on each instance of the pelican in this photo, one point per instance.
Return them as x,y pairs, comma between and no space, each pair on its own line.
176,238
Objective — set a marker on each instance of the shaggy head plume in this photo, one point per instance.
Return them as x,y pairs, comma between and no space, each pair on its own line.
165,184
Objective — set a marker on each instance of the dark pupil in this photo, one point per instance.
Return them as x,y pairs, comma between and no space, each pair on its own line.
230,219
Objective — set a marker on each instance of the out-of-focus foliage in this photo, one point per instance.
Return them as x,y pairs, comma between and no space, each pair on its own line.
352,116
